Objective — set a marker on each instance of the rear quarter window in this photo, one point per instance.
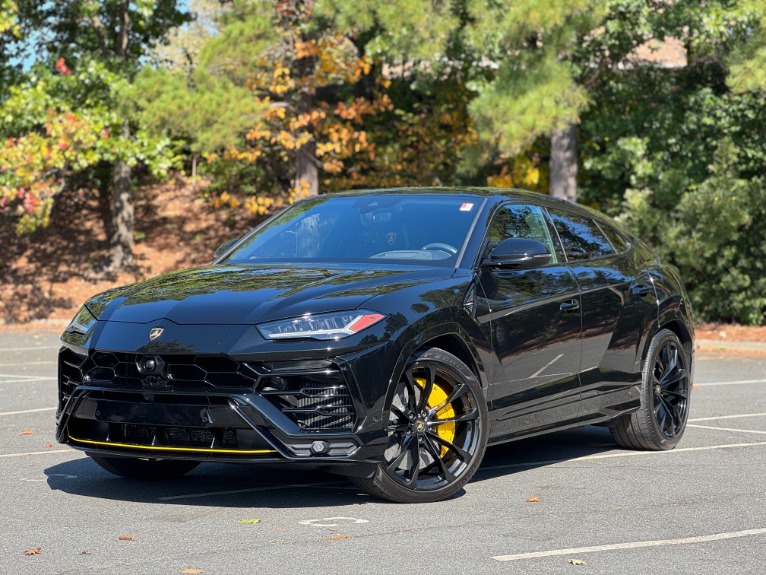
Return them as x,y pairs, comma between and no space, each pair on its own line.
580,236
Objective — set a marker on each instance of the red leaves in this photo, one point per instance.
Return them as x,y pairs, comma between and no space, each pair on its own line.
62,67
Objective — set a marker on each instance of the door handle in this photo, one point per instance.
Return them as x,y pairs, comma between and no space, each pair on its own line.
570,306
641,290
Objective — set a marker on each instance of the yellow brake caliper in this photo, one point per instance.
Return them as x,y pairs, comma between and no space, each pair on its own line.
445,430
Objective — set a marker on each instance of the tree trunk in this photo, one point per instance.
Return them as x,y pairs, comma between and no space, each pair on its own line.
307,171
121,242
562,182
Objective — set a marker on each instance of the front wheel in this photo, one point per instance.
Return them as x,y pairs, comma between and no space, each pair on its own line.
437,431
660,422
145,469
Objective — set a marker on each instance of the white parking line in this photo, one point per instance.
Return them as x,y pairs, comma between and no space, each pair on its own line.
47,362
632,545
27,411
28,453
621,454
3,350
727,417
742,382
26,379
726,429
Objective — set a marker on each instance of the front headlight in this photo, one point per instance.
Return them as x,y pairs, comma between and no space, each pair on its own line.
323,326
82,322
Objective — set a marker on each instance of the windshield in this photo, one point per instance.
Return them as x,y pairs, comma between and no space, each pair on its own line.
397,228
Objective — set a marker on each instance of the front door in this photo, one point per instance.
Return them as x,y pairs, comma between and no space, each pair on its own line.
535,323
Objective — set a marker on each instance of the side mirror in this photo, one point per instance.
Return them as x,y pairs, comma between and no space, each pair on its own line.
223,248
519,253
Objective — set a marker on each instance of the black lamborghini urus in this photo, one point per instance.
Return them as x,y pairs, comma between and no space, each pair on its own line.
388,336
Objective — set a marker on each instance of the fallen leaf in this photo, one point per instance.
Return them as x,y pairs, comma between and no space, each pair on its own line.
695,387
34,551
191,570
249,521
126,538
339,536
49,445
535,499
84,552
577,562
27,432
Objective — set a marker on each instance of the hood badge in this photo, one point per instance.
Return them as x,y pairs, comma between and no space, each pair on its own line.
155,332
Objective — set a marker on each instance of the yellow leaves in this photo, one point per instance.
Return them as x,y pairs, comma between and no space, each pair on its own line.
126,538
524,173
27,432
535,499
191,571
306,49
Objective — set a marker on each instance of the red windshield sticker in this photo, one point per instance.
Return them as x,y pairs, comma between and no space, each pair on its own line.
466,207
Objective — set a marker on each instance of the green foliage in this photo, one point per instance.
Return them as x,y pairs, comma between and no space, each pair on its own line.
65,115
748,60
679,156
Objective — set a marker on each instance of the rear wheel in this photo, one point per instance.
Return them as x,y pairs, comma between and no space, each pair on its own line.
660,422
145,469
437,431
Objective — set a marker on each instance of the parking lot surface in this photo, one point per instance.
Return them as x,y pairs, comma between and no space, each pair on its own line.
570,502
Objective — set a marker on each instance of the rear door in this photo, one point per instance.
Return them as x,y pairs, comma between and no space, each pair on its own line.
617,300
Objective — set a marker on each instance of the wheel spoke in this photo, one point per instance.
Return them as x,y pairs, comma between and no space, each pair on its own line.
460,452
400,413
680,394
415,456
469,416
413,389
404,446
673,377
426,392
456,394
435,453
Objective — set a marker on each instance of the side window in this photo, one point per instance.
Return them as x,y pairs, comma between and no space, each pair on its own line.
618,242
581,237
519,221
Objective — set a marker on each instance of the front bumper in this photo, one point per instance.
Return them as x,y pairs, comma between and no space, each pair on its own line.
217,408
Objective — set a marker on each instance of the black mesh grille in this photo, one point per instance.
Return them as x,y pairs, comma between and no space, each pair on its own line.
185,372
316,397
313,394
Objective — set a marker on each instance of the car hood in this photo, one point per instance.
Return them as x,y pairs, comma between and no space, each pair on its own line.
247,295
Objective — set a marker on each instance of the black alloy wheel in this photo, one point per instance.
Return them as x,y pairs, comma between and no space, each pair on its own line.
437,431
660,422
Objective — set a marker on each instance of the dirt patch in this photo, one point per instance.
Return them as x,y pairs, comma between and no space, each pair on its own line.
730,332
49,273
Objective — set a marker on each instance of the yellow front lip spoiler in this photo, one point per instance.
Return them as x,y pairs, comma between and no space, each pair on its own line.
173,449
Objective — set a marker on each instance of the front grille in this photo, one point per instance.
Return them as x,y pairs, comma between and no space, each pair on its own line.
313,394
176,436
126,370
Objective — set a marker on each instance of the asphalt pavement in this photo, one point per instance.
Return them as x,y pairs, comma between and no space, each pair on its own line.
570,502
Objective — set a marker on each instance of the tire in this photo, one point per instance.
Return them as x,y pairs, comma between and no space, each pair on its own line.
660,422
145,469
437,431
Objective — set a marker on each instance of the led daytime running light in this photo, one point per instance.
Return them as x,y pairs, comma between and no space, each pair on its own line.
325,326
